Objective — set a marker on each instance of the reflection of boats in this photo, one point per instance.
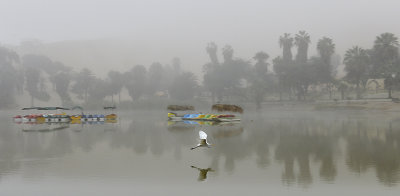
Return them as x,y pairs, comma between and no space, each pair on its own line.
194,122
92,122
203,117
108,120
44,127
222,133
176,126
76,121
191,125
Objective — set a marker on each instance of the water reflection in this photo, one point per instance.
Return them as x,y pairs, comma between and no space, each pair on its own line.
376,148
305,148
44,127
298,142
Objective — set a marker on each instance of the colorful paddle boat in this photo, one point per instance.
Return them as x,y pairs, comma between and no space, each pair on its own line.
203,117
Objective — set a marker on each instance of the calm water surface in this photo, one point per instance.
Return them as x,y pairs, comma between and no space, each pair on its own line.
275,153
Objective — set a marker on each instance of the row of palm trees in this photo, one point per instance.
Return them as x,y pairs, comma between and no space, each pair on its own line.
294,76
381,61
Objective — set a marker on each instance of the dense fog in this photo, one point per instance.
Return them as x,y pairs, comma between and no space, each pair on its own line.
108,52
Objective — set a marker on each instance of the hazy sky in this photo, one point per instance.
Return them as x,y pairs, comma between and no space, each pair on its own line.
184,27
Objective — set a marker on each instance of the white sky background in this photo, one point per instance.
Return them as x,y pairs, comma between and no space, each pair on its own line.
182,28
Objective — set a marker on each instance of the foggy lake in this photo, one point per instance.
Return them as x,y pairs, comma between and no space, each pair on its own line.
287,97
278,153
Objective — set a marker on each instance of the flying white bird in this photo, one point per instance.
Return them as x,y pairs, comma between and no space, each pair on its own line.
203,140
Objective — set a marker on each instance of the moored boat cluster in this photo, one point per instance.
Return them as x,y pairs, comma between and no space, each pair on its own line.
202,117
172,116
64,118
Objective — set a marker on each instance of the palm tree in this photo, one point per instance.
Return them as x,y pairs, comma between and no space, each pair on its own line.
388,44
356,62
83,82
155,76
212,49
184,86
326,48
116,83
384,58
136,81
261,57
227,52
301,40
286,42
302,69
62,81
259,78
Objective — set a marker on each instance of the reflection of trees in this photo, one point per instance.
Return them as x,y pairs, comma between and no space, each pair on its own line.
9,149
357,150
228,144
87,138
375,148
298,141
139,135
324,152
180,133
298,144
261,137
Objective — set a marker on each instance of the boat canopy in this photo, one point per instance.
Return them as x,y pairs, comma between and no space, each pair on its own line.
45,108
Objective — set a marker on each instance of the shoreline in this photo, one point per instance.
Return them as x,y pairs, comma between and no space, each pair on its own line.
330,105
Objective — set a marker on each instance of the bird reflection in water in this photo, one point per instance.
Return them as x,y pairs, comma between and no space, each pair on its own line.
202,173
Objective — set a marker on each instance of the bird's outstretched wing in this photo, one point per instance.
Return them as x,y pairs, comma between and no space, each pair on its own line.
202,135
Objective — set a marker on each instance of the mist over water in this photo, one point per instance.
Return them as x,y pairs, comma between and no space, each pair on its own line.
318,82
314,153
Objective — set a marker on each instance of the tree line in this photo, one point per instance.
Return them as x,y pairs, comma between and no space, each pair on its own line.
232,79
37,75
292,78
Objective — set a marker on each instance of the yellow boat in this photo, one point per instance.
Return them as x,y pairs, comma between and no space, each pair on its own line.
40,120
75,117
76,121
111,117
